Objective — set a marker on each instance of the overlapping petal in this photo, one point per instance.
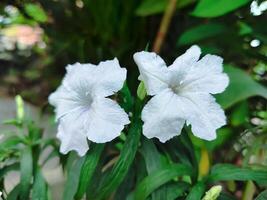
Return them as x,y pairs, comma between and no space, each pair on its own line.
153,71
189,82
207,76
71,133
83,109
162,116
105,120
102,80
203,114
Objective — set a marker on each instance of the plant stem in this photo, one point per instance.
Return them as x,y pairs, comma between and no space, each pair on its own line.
164,25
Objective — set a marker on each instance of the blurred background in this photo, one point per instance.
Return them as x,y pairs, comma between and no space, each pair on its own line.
39,38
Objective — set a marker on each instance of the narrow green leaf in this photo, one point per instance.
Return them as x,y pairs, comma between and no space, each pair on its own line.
201,32
262,195
26,170
39,190
158,178
196,192
153,163
71,185
233,93
151,155
226,172
88,168
9,143
211,8
120,169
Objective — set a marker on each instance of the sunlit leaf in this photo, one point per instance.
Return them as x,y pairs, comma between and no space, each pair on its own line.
211,8
36,12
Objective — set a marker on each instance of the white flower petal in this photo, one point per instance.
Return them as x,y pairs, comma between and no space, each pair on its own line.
72,134
102,80
105,121
161,116
207,76
203,113
82,108
64,100
184,62
153,71
186,95
110,78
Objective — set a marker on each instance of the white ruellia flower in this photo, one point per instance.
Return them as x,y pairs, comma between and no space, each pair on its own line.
83,109
182,94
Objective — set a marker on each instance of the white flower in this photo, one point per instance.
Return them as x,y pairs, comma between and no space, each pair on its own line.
182,93
82,109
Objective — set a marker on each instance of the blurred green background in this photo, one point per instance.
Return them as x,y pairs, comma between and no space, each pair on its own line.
39,38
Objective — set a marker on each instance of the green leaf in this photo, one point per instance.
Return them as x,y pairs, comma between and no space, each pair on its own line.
196,192
88,168
153,163
39,190
71,185
158,178
14,194
223,136
201,32
151,7
26,169
225,196
262,195
241,87
240,114
151,155
36,12
127,99
8,144
211,8
226,172
120,169
6,169
175,190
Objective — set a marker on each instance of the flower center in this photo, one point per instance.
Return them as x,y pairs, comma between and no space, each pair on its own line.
86,100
